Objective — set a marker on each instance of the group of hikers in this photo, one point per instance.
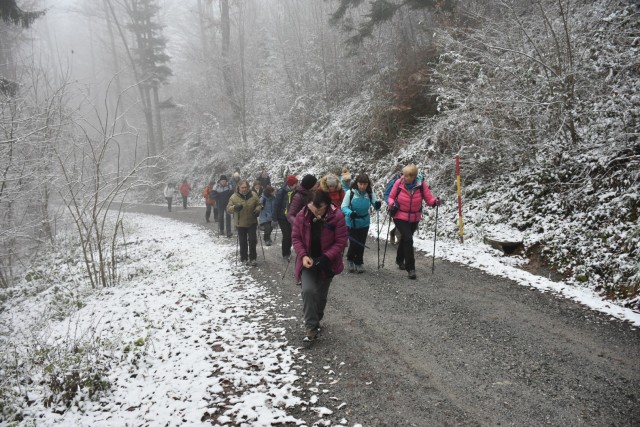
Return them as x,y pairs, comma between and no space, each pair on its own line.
319,218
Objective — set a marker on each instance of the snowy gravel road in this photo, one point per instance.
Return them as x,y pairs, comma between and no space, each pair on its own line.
459,347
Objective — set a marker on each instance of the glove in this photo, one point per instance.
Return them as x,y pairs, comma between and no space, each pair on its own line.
393,209
237,208
256,213
438,202
353,215
377,205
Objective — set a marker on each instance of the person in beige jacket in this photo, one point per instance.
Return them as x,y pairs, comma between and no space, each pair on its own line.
245,207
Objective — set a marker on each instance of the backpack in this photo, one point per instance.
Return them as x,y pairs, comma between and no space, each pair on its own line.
388,188
289,197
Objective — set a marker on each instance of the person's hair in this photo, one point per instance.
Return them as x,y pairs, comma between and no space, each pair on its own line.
410,171
257,182
242,181
269,190
364,178
319,197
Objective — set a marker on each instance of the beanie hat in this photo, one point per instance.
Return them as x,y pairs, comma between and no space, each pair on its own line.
236,175
292,180
308,181
332,181
346,175
223,177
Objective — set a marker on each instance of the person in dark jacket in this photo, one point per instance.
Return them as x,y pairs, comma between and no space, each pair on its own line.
319,238
301,196
264,178
280,210
221,192
405,207
267,200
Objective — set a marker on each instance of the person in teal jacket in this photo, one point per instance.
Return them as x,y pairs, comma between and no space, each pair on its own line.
357,204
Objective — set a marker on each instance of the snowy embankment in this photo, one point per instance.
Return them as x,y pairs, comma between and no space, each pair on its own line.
189,340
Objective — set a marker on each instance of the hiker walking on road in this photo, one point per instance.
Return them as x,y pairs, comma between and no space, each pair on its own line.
244,205
280,210
405,207
319,238
356,207
331,184
168,194
222,191
184,189
209,200
267,200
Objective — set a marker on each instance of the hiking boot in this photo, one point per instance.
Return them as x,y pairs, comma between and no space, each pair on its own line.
401,266
311,335
352,267
359,268
412,274
229,235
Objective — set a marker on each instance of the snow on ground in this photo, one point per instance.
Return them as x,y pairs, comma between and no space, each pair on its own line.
191,339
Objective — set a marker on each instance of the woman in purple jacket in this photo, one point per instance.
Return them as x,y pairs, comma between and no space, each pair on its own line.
319,237
405,206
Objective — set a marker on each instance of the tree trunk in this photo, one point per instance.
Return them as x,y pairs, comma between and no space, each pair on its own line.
158,120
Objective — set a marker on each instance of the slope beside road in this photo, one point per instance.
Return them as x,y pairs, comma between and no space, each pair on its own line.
457,347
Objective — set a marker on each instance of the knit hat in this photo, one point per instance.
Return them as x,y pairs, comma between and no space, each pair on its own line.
223,178
236,175
346,175
308,181
332,181
292,180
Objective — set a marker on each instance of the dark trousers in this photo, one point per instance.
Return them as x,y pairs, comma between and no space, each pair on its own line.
184,202
207,212
224,218
285,227
267,228
315,290
405,245
248,239
356,250
169,200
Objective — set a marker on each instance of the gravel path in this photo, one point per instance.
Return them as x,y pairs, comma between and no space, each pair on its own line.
458,347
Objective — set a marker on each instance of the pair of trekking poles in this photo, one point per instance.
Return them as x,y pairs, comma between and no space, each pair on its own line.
435,235
259,238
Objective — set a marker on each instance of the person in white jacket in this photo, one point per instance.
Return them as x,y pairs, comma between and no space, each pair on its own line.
168,194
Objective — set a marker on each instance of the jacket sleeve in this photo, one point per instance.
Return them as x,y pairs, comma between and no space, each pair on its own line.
341,236
297,238
426,194
230,205
346,202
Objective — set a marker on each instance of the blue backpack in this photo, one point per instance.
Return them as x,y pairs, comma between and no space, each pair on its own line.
387,190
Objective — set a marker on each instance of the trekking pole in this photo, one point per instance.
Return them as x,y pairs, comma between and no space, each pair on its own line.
435,234
378,221
261,247
384,255
286,269
237,239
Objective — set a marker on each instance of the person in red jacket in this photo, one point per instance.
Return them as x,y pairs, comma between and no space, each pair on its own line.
405,207
319,237
184,189
209,201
